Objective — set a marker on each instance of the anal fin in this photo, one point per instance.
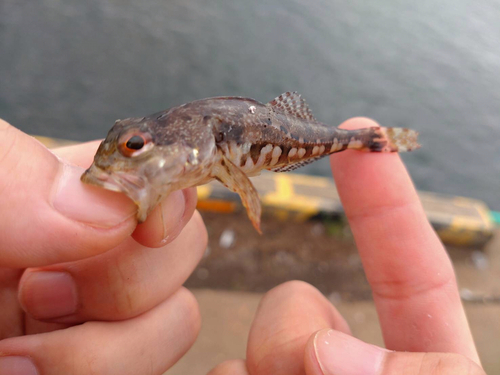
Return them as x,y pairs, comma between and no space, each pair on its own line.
292,166
236,180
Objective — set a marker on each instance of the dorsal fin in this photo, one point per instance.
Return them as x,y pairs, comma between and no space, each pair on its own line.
293,104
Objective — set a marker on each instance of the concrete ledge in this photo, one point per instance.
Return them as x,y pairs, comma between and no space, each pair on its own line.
457,220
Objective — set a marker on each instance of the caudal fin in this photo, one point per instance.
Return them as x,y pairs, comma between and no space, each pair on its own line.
393,140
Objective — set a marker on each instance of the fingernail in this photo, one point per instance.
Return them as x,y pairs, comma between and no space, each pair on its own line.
341,354
17,366
89,204
172,210
48,295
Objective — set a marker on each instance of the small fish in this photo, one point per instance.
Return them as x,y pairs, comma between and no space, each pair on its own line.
228,139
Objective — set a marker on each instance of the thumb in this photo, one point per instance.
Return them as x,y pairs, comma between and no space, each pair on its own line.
46,214
331,352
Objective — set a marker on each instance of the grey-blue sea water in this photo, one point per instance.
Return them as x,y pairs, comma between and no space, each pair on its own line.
69,68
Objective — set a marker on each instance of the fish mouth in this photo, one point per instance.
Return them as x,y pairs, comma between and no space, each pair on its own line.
133,186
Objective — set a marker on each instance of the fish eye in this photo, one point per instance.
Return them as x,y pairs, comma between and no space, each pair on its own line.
135,144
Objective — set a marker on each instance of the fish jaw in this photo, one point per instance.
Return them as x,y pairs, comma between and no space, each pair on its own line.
136,188
97,177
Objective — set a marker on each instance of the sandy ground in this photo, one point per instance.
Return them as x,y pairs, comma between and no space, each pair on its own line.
240,266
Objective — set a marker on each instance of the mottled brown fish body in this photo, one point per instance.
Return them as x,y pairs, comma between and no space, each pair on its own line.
228,139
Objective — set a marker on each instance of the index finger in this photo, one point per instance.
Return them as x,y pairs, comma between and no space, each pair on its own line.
411,276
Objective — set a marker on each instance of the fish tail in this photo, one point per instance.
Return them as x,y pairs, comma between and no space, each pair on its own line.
385,140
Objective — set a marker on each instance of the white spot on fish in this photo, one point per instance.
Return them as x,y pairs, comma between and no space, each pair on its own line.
266,149
252,109
336,145
276,155
249,163
263,153
321,149
315,150
301,139
302,152
292,152
245,148
355,143
194,156
277,151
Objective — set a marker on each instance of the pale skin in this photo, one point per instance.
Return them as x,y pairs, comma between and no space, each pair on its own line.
73,253
414,288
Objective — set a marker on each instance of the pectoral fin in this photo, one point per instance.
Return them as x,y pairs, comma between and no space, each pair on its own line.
236,180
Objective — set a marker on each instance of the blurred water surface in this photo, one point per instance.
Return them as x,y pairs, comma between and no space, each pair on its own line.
69,68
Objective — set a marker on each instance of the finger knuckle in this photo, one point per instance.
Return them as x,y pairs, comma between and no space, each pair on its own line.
190,312
291,288
8,141
5,126
127,294
401,287
190,303
291,293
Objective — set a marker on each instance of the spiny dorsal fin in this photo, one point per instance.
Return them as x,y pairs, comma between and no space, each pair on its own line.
293,104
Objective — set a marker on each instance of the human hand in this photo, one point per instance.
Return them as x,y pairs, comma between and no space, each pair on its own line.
72,254
297,331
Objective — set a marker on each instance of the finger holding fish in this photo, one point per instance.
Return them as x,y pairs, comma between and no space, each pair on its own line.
53,222
48,215
126,280
167,219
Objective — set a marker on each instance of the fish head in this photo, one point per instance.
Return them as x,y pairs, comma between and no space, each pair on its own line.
140,159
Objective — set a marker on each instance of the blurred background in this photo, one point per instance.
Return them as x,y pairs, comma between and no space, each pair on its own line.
69,69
